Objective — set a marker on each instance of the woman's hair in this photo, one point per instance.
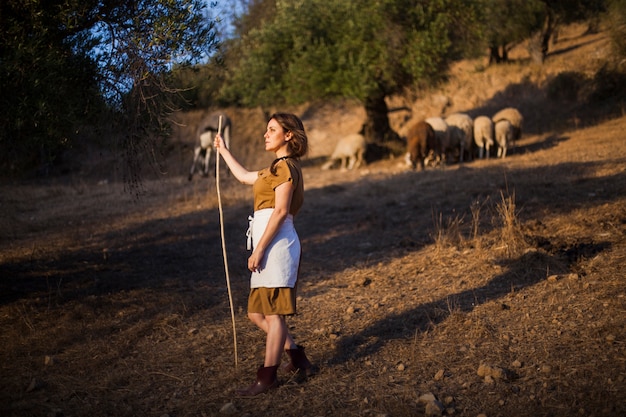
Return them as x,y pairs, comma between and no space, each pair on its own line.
299,143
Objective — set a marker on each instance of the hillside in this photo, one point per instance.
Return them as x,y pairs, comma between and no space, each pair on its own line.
491,288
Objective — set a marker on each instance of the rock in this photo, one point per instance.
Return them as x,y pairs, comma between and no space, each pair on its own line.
35,384
495,372
558,277
439,375
427,398
432,406
228,409
433,409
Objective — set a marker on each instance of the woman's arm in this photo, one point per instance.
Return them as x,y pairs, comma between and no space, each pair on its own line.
283,194
238,170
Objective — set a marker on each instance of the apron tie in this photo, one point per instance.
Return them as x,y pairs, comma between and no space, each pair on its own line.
249,233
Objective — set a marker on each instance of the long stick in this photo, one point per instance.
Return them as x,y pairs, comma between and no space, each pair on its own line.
219,203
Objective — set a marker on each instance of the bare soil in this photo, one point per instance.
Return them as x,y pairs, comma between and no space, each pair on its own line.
497,286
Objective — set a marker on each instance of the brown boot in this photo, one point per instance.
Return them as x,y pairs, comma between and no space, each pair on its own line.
298,362
265,380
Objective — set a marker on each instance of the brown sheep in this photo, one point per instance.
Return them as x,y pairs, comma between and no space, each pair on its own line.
442,135
421,142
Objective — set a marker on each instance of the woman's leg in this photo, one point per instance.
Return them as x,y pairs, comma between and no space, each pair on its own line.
260,320
276,339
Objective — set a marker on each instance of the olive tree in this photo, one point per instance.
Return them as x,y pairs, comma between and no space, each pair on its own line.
140,43
47,82
362,49
64,61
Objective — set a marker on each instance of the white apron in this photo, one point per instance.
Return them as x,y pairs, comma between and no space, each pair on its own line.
279,268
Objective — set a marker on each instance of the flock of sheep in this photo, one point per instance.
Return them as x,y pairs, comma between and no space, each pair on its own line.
432,141
436,140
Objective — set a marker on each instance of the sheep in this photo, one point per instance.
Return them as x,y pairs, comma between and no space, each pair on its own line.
504,135
421,143
483,135
206,133
442,135
461,128
512,115
349,151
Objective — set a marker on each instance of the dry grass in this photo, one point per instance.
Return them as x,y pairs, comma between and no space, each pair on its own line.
411,282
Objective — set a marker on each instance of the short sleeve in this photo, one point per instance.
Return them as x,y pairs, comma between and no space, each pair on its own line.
283,174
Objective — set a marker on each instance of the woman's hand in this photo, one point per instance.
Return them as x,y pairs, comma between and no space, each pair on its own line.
254,261
218,142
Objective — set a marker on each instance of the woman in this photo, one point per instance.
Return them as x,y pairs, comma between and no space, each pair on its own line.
278,196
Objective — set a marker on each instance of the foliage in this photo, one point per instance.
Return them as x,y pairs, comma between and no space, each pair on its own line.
256,14
507,23
63,60
360,49
319,49
145,40
47,89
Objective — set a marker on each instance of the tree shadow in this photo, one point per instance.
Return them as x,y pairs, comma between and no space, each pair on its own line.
519,275
341,225
545,144
560,51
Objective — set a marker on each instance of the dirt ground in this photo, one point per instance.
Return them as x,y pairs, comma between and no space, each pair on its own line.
494,287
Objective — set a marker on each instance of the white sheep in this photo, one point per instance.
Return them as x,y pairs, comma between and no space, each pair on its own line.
349,150
461,131
483,135
504,135
512,115
205,135
441,135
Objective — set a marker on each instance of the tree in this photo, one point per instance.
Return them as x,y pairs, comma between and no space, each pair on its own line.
144,40
617,20
507,22
47,88
361,49
555,13
61,61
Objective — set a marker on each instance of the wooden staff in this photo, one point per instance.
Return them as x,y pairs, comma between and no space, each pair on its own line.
219,204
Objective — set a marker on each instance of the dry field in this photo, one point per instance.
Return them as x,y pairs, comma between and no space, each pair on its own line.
493,288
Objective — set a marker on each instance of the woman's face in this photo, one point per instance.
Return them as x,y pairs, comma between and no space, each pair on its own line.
276,139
